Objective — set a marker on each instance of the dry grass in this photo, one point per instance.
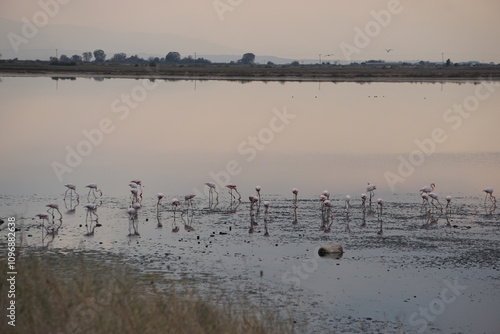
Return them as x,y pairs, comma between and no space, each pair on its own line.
77,294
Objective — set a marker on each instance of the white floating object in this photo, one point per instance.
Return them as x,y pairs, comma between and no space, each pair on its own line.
330,249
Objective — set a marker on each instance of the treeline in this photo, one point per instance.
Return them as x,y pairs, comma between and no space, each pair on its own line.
173,57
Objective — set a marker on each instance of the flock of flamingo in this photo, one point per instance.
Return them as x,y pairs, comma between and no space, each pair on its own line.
430,203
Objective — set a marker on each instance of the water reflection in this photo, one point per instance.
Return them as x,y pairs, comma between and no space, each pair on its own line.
91,218
198,133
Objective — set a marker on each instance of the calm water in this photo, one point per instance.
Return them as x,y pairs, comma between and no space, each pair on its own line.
176,135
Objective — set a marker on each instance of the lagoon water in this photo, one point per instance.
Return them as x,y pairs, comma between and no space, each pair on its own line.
177,135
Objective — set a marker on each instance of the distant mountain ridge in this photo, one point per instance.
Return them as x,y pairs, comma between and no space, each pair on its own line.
71,40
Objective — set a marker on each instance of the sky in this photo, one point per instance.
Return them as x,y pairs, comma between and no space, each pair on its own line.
461,30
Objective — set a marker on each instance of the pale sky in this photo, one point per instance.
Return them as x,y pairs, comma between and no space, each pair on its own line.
418,29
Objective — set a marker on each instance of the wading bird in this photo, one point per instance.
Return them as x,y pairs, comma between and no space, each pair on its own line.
489,194
72,189
380,203
93,189
326,193
53,206
175,203
295,193
370,189
132,213
134,195
211,190
253,200
328,216
434,197
347,201
266,208
428,189
43,216
159,196
257,189
138,183
232,187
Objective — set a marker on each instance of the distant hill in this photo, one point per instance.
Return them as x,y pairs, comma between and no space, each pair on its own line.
71,40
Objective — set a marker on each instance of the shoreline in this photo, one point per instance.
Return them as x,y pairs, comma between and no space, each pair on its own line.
64,76
304,73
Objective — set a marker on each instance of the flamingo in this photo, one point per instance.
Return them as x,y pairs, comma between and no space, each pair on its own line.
138,183
434,197
188,201
93,189
257,189
328,216
326,193
54,206
175,203
489,193
132,212
363,205
370,189
428,189
91,210
134,196
322,199
448,203
43,216
295,192
363,199
231,188
266,208
72,189
211,189
159,196
380,203
347,201
253,200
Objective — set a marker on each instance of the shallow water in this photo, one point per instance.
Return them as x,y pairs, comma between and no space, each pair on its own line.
343,135
176,135
378,284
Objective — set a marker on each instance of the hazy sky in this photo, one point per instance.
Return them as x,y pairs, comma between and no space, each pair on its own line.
417,29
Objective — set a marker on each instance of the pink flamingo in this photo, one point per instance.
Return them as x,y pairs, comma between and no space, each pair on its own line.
72,189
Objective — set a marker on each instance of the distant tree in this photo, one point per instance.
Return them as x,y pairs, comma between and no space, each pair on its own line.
87,56
119,57
173,57
448,62
135,59
247,59
295,63
270,63
187,60
203,61
99,56
76,58
53,60
64,59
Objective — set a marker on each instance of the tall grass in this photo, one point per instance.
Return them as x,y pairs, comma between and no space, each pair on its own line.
68,293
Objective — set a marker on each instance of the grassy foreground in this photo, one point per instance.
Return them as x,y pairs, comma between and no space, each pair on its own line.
67,293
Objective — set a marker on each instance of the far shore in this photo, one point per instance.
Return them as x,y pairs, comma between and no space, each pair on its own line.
254,72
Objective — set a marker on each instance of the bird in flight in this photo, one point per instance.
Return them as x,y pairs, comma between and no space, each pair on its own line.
388,50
